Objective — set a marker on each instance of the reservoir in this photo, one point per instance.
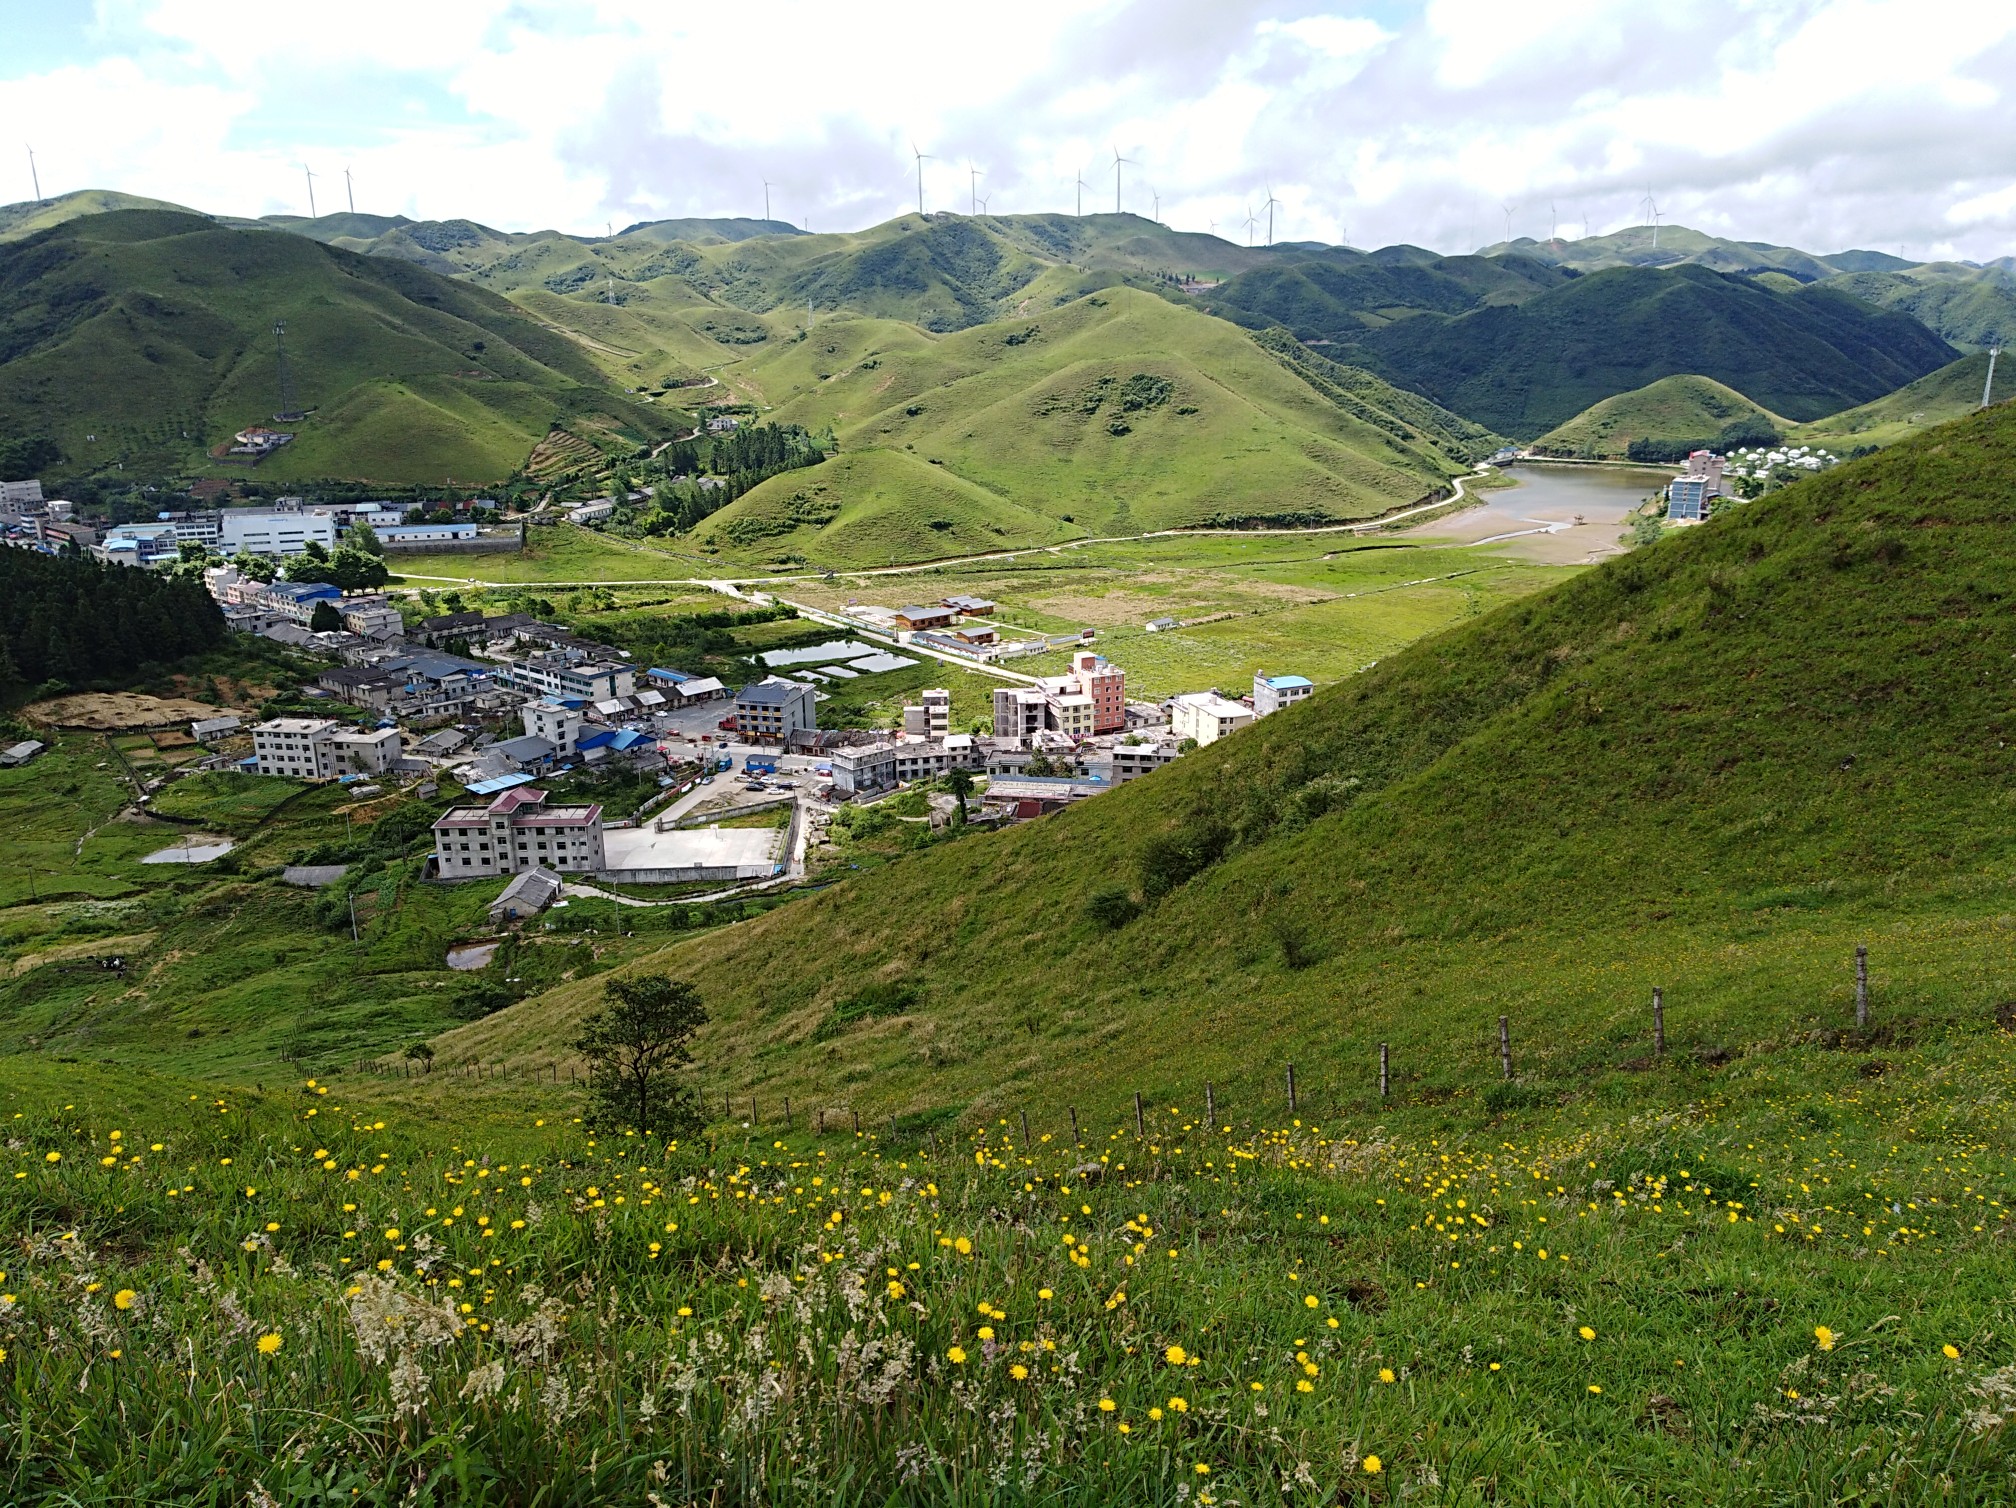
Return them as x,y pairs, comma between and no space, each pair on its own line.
1561,514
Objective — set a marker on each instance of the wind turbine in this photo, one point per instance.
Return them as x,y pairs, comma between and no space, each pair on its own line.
1269,207
1553,224
766,198
1082,186
1251,221
1117,160
983,206
1157,197
33,176
1508,223
349,192
311,191
973,177
1988,387
922,158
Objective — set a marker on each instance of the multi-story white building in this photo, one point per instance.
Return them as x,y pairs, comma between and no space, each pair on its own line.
303,748
556,722
1206,716
370,615
933,717
1273,692
366,751
550,673
259,533
516,832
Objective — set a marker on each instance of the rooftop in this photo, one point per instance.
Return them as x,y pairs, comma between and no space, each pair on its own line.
1288,682
296,725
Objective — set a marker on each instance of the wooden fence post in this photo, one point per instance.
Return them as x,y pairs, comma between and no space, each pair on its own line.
1025,1130
1140,1124
1210,1107
1385,1072
1076,1139
1505,1045
857,1122
1862,988
822,1122
1291,1088
1658,1020
787,1112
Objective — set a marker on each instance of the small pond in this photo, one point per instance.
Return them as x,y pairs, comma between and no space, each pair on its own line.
812,654
467,956
195,848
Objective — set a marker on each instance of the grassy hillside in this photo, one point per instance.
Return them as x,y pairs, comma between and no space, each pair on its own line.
1671,409
33,215
1117,413
1524,369
144,338
1676,245
1333,295
1970,307
1698,766
1949,393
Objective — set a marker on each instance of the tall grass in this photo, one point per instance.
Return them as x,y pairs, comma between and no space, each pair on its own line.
312,1297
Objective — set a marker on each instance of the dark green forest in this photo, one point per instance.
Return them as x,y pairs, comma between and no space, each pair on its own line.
75,620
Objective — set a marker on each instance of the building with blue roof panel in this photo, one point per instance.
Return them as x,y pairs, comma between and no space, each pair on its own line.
1273,692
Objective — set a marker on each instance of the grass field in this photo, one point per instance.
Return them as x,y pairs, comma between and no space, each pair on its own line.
1324,606
1946,394
1784,1282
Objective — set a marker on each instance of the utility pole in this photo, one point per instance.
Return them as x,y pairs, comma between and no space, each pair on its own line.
353,917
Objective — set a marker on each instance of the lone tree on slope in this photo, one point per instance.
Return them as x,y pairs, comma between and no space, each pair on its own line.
635,1046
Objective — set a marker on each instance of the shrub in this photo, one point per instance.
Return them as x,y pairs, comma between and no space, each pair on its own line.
1112,908
1170,859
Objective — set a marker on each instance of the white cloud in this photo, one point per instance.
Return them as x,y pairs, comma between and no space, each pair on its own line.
1819,122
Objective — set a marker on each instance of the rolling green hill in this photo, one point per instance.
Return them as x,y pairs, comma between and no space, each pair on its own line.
1116,413
29,216
1523,369
1949,393
1970,307
1670,410
1715,764
1676,245
143,338
1334,295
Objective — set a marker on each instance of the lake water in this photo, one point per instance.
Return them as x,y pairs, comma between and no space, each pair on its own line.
1557,514
467,956
832,649
1556,494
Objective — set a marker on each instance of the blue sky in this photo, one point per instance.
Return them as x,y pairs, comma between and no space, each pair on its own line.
1821,123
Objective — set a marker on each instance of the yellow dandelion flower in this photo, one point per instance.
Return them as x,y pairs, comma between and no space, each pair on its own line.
1310,1300
1824,1337
1202,1470
957,1356
1045,1293
53,1157
1019,1372
1304,1385
1586,1333
1386,1374
1594,1389
1372,1465
1180,1405
1950,1352
1155,1414
268,1344
1175,1356
1107,1405
985,1332
963,1247
124,1298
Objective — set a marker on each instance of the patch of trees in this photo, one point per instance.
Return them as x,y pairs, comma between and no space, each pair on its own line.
76,620
349,569
27,456
738,462
1734,436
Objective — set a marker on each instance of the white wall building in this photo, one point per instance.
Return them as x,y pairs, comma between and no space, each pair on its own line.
303,748
516,832
1206,716
1273,692
258,533
933,717
558,724
362,751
